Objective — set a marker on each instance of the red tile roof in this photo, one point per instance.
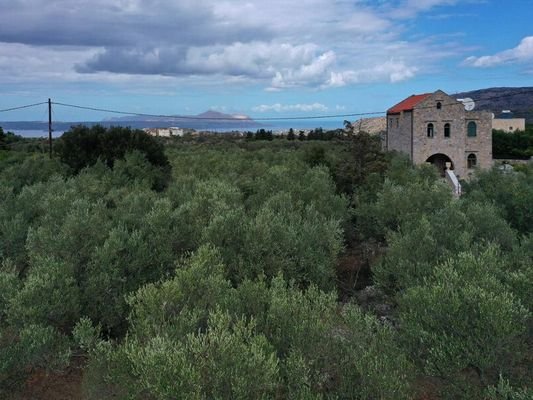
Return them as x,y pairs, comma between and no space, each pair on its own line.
408,104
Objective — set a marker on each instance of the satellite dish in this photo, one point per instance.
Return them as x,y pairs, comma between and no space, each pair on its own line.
468,103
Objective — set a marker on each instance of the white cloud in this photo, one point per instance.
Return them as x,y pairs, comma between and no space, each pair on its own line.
21,63
279,44
391,71
410,8
312,73
520,54
290,107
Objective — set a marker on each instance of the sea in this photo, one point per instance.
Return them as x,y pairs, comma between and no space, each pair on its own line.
37,129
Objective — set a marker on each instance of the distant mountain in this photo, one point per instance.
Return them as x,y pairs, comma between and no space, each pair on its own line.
519,100
218,115
206,121
209,115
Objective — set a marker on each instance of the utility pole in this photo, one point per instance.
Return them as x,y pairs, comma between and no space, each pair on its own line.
50,126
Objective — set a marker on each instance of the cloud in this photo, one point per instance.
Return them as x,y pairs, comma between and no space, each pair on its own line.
120,23
520,54
291,107
278,44
410,8
21,63
254,58
314,72
391,71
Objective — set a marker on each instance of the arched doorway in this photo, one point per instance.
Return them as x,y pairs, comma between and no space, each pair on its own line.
439,160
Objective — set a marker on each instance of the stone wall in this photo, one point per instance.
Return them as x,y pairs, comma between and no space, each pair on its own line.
481,145
399,133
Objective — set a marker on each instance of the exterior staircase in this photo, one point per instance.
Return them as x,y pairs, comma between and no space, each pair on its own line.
452,180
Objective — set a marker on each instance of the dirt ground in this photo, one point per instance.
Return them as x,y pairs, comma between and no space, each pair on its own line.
41,385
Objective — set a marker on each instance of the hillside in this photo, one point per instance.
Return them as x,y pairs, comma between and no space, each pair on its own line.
519,100
209,115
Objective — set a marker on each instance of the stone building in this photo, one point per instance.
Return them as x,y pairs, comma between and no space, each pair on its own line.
436,128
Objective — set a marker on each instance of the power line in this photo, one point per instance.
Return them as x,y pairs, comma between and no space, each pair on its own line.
21,107
215,118
308,117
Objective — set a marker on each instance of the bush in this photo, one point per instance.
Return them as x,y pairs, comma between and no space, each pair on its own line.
516,145
82,146
420,244
33,347
504,391
511,192
196,336
463,317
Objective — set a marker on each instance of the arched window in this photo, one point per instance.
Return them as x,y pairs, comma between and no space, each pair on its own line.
471,161
439,105
471,129
447,130
431,130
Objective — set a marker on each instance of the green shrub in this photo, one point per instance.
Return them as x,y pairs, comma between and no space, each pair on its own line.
82,146
462,317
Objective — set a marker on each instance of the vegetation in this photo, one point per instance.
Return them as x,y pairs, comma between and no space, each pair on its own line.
225,281
514,145
82,146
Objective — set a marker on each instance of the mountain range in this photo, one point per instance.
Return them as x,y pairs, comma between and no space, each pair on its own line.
210,115
518,100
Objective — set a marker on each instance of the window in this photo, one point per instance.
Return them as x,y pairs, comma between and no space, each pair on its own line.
471,161
390,122
471,129
447,130
439,105
430,130
397,122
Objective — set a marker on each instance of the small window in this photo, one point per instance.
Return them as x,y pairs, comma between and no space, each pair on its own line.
471,161
430,130
397,122
447,130
510,128
439,105
472,129
390,123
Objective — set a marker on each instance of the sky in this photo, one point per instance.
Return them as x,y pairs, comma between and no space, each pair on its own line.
262,58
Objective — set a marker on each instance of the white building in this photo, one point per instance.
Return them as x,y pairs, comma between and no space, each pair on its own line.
167,132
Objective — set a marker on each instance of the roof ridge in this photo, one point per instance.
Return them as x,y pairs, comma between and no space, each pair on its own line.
408,103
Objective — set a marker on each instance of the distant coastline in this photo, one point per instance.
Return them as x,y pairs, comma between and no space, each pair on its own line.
36,129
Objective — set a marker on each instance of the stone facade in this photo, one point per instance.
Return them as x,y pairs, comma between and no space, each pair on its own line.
434,128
